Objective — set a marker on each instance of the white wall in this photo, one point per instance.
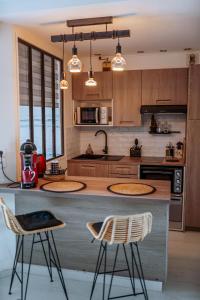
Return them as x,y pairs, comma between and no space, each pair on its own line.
8,104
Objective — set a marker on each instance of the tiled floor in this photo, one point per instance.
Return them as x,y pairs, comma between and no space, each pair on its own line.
183,279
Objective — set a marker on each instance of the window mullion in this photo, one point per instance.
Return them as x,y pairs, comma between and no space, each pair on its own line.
62,114
30,83
43,105
53,106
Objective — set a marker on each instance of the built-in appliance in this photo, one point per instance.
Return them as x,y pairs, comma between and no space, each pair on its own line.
103,115
87,115
174,174
29,174
153,109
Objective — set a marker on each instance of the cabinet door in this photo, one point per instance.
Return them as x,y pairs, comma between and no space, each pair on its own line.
193,174
173,87
87,169
127,98
102,91
150,86
165,87
123,171
194,93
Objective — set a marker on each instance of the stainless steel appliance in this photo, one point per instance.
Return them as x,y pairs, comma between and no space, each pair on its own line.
174,174
104,115
87,115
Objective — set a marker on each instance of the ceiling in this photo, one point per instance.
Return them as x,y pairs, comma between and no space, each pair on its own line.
154,24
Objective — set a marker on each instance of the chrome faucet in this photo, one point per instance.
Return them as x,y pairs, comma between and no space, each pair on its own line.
105,150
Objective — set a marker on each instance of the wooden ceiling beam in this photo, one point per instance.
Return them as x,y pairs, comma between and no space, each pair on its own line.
89,21
90,36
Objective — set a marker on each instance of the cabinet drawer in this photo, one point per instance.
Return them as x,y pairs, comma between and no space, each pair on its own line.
123,171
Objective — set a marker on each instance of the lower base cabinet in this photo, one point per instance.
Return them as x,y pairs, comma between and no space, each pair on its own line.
87,169
102,170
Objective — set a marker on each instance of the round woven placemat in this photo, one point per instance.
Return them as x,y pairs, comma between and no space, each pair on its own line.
63,186
131,189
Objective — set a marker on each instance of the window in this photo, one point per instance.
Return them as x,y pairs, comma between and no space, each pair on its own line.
41,103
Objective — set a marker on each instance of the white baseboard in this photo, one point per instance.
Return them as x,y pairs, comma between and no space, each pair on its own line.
88,277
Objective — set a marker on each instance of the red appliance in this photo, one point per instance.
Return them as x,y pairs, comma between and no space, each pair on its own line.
29,174
41,165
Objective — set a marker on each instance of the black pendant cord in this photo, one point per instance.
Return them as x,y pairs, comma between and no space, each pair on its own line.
63,57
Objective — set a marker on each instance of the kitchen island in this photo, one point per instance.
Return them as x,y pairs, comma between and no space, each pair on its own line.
94,204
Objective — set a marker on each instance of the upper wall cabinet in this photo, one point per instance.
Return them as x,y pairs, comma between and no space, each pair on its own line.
194,93
103,90
127,98
165,87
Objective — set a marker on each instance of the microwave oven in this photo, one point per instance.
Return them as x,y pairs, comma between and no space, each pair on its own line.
87,115
92,115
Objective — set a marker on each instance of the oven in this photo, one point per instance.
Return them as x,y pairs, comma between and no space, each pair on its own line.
174,174
88,115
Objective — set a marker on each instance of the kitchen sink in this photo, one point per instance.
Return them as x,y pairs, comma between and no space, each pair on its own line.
112,157
99,157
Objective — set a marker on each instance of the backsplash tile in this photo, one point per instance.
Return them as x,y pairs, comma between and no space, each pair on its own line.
72,142
121,139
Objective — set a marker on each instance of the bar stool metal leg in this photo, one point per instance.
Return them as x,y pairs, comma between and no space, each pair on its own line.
45,255
139,271
97,268
29,267
17,253
56,261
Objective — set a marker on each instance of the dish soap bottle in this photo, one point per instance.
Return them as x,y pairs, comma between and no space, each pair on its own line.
89,150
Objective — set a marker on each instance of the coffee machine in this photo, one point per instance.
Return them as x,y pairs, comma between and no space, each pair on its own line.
29,174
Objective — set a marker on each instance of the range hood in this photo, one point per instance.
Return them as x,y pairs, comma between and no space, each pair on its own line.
163,109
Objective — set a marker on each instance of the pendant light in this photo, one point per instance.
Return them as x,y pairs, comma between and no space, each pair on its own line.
63,83
118,63
74,64
91,81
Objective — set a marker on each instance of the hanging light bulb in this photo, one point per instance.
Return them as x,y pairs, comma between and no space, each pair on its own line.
91,81
118,63
64,83
74,64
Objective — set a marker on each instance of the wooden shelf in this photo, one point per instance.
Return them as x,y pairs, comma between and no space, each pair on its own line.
164,133
93,125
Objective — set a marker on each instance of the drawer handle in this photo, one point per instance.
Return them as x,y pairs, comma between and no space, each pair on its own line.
132,122
91,94
163,100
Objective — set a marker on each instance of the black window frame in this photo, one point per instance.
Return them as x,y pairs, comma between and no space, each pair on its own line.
31,124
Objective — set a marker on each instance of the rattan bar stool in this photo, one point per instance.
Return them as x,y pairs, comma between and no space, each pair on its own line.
40,225
124,232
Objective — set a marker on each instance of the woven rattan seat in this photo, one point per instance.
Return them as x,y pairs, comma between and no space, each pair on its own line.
124,232
122,229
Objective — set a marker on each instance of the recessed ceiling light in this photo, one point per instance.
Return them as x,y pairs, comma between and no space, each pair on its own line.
163,50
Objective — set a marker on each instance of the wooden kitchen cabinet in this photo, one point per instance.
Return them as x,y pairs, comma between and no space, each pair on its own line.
90,169
193,151
123,171
127,98
194,93
103,90
165,86
87,169
193,174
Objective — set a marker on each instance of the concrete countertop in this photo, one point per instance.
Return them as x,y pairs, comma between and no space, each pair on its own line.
144,160
97,187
